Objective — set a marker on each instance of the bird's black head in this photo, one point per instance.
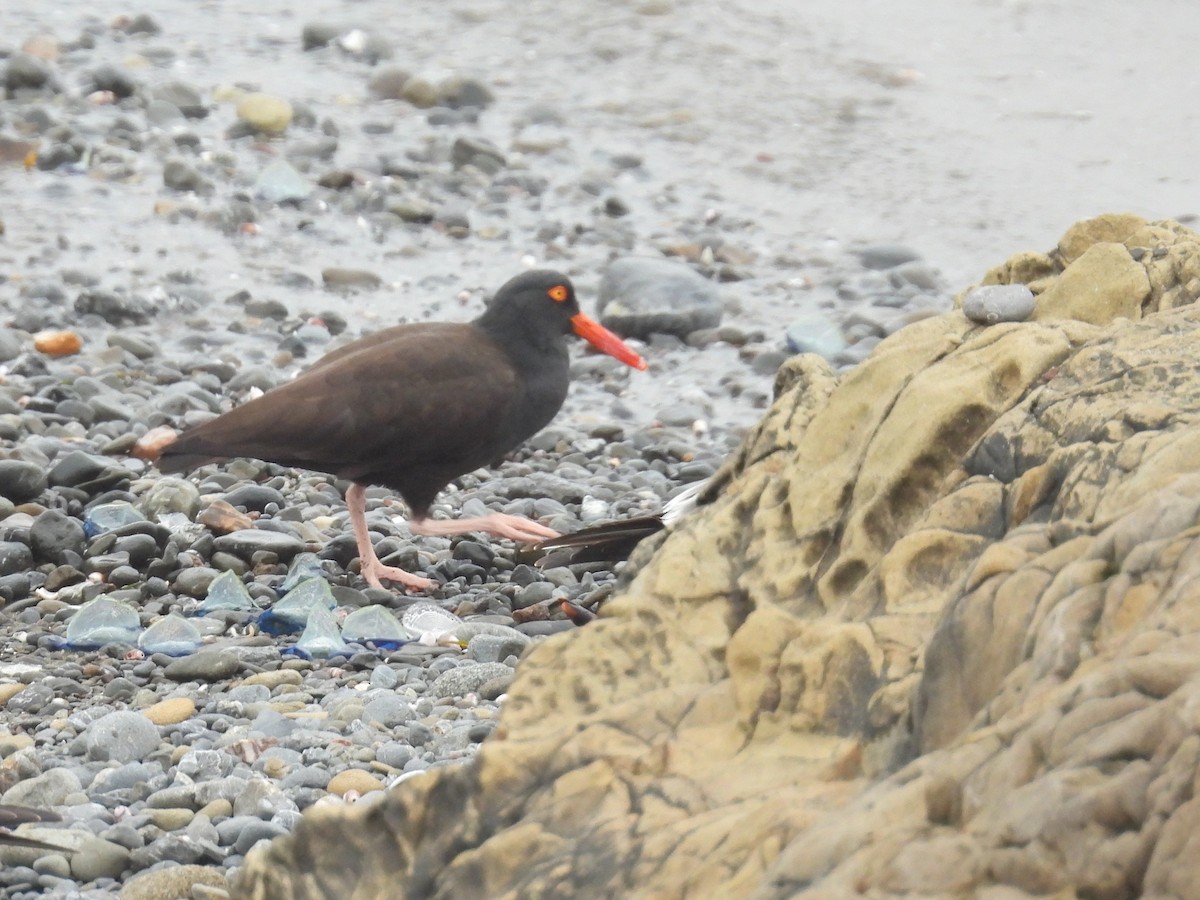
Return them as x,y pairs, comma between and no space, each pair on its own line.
536,308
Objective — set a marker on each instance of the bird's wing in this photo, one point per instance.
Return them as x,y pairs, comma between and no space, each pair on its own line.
411,394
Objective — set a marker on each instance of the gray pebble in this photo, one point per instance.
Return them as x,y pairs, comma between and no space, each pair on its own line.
49,789
641,296
254,831
493,688
203,666
194,581
97,858
180,175
183,97
464,92
280,182
113,307
485,648
538,592
248,541
384,677
388,83
121,736
886,256
339,277
11,345
170,495
477,152
992,303
315,35
467,678
395,754
21,480
162,113
111,78
254,496
816,333
388,710
57,538
25,71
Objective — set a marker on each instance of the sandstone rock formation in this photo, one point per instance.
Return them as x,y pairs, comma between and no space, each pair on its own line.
936,635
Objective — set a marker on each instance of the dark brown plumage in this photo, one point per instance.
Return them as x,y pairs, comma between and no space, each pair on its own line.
614,541
414,406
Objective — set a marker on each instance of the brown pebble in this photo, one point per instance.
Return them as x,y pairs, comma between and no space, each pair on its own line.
150,444
222,518
57,343
171,711
8,691
358,780
43,46
535,613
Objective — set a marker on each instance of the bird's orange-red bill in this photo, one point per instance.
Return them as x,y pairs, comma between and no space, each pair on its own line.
605,341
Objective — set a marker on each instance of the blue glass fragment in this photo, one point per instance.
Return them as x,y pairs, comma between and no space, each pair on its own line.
304,566
172,634
102,621
321,636
226,591
375,625
108,516
291,613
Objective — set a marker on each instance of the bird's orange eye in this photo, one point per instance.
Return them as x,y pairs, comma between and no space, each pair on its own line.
558,293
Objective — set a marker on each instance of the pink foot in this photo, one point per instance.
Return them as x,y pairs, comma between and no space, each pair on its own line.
375,573
372,570
515,528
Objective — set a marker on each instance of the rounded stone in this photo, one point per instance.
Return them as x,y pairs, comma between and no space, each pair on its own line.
21,480
642,296
122,736
251,540
265,112
98,858
358,780
171,711
992,303
14,557
54,535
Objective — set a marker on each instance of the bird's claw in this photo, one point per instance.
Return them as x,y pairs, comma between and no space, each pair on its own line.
376,574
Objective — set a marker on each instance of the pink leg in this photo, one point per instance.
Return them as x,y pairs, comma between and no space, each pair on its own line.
373,571
515,528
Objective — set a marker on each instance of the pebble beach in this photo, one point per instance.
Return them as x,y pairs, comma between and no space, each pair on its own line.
193,209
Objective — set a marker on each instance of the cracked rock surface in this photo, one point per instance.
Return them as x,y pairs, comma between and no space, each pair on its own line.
936,634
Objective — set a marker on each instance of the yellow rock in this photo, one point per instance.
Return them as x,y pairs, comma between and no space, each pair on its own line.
358,780
8,691
11,743
265,112
170,712
1110,227
274,679
219,808
1103,284
175,881
170,819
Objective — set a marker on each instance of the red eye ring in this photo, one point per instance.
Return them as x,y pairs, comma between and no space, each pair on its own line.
558,293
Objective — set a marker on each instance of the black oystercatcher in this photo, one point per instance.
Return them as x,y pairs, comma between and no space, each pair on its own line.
414,406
